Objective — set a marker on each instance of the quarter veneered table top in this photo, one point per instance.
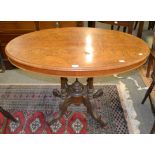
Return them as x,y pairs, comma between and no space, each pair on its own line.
77,52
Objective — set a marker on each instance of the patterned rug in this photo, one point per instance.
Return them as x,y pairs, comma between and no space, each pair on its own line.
34,105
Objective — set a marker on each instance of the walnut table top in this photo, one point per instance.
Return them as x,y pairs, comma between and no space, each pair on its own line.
77,52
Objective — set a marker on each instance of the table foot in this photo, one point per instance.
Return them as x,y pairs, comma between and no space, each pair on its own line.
91,111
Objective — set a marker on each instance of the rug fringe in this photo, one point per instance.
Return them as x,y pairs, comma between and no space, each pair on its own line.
132,79
129,110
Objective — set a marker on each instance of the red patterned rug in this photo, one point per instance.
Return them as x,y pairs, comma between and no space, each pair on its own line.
33,105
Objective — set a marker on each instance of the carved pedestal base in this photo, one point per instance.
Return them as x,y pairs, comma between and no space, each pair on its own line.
77,94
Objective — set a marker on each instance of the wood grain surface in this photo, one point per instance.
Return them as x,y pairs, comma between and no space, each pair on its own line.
77,52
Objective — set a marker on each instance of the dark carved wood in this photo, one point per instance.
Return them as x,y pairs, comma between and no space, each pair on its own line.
150,64
135,25
151,59
148,92
91,111
140,29
125,24
77,94
2,66
7,114
91,23
151,25
37,25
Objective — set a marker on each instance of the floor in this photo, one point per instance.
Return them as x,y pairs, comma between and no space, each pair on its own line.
132,80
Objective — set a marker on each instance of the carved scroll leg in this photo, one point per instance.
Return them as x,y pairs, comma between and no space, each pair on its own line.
91,89
56,93
91,112
90,83
62,110
7,115
64,89
98,93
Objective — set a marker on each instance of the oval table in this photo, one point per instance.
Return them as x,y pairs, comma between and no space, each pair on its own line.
77,52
